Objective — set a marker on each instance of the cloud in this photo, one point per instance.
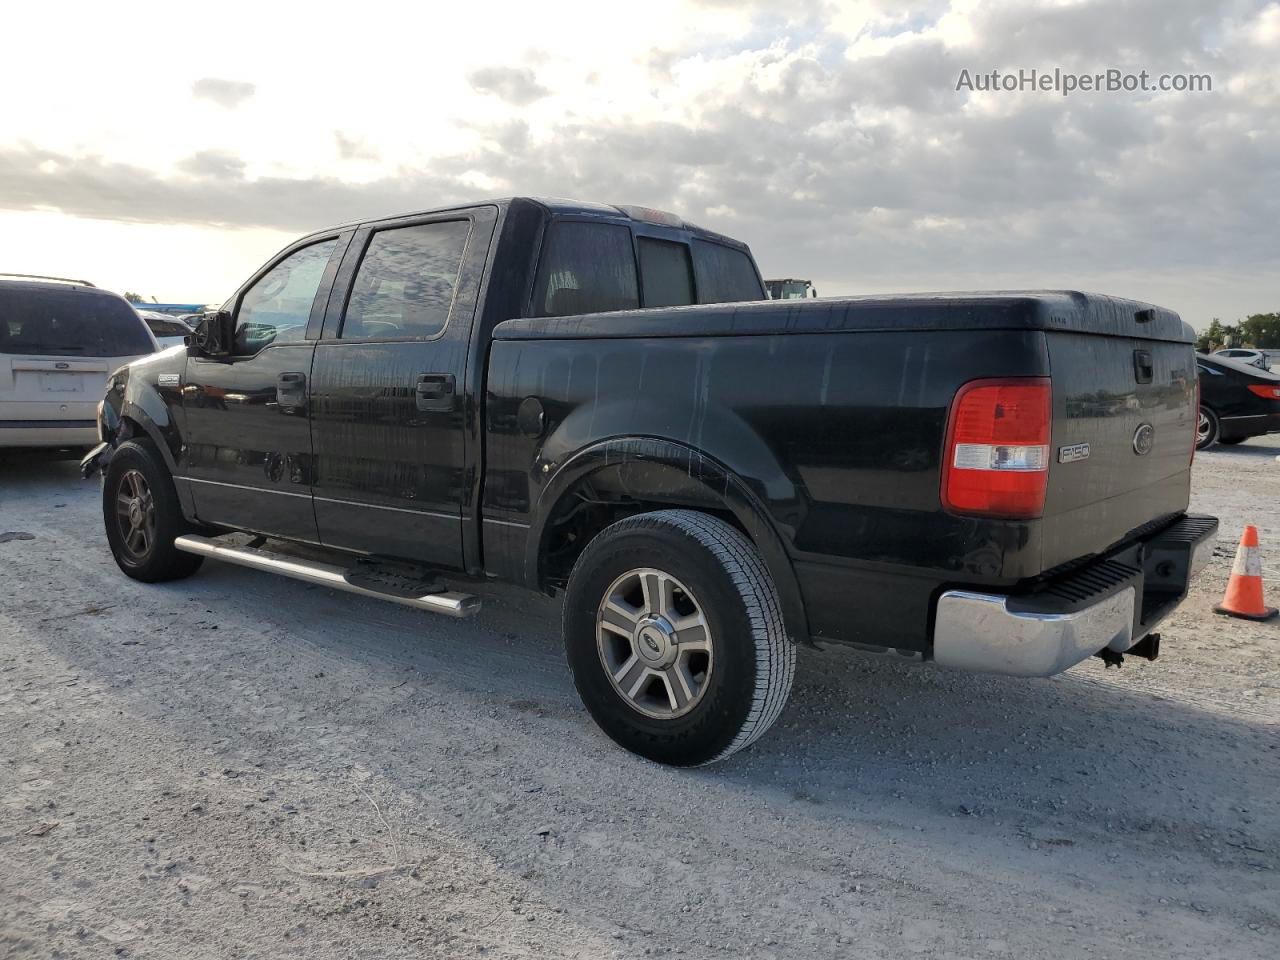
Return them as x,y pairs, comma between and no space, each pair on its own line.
353,148
225,93
209,188
216,164
516,85
840,150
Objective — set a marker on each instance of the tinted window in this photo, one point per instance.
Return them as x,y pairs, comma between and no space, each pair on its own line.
665,273
724,274
166,328
585,268
277,307
406,281
69,323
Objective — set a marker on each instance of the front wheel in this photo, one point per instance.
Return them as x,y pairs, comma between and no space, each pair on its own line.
1207,429
674,634
142,516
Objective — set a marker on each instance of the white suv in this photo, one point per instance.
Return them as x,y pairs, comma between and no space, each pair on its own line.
59,339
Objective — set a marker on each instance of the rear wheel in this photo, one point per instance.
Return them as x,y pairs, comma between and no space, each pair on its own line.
142,516
674,635
1207,429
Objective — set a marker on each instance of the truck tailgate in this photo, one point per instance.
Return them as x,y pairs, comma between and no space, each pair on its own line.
1123,434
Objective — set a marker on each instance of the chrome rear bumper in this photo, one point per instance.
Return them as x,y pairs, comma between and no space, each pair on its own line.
1110,605
977,631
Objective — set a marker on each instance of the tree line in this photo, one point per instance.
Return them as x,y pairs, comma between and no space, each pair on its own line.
1261,331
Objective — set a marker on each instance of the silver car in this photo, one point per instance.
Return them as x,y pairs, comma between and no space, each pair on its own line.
59,340
168,330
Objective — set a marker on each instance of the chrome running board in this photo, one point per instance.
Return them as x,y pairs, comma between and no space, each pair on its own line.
451,604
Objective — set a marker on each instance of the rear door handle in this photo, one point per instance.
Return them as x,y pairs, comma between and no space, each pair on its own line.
291,392
434,392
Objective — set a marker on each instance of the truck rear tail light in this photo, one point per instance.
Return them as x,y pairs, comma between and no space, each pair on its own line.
997,450
1265,390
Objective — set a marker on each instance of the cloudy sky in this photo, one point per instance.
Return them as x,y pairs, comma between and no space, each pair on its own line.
151,148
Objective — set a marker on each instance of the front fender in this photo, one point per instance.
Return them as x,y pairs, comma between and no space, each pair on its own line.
145,396
666,471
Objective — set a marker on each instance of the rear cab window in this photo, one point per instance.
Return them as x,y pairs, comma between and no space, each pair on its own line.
591,267
666,273
724,274
69,323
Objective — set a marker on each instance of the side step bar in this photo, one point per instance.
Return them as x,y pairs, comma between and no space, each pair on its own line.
451,604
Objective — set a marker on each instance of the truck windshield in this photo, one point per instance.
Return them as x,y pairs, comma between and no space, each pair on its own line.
788,289
72,323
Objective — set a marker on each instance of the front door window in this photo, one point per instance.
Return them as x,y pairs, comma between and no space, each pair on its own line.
277,307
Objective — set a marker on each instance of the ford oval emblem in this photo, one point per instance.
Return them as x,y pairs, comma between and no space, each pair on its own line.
62,366
1143,439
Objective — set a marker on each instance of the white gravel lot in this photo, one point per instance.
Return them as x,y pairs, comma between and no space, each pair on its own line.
243,766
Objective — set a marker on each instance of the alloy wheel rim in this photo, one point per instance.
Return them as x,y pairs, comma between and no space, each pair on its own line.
1202,427
654,642
136,514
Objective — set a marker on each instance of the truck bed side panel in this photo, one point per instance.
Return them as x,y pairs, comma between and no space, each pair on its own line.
837,435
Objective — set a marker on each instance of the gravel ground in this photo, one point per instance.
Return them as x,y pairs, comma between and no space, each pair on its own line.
243,766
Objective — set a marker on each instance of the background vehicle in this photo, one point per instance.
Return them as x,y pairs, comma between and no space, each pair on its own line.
58,341
575,397
1237,401
168,330
790,289
1256,358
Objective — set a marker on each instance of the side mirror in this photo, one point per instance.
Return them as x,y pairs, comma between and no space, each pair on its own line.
212,336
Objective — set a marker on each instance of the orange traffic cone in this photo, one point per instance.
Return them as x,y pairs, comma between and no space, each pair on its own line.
1244,589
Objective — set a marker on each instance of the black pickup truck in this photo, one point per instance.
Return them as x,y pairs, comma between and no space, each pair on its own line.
600,401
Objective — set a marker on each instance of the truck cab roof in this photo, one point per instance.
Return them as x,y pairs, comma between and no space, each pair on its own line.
560,207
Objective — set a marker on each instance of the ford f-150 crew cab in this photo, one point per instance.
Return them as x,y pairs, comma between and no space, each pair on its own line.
599,401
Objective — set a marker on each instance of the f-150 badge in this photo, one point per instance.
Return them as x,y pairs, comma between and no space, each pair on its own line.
1077,451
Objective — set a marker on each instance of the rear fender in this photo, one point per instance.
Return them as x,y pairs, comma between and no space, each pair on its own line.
665,472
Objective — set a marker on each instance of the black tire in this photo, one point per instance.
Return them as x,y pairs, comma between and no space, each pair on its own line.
751,663
144,550
1208,430
1231,441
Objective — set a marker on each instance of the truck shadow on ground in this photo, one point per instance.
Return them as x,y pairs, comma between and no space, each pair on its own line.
1080,746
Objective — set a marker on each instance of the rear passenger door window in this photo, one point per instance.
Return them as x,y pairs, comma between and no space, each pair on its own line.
665,272
406,282
585,268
